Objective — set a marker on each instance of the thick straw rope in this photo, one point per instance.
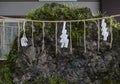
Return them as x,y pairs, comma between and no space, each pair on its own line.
65,20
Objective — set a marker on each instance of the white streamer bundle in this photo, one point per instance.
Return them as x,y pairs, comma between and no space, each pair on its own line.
64,37
104,30
24,39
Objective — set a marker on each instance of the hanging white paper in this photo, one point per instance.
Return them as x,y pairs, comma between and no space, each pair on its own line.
104,30
64,37
24,39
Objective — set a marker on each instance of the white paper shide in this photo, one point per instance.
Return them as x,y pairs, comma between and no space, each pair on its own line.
64,37
104,30
24,40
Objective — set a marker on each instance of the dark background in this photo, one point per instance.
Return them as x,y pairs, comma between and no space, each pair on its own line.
38,0
110,7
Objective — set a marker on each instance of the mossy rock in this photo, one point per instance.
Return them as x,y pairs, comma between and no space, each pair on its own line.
51,12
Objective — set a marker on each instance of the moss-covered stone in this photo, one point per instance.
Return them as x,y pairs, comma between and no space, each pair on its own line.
63,68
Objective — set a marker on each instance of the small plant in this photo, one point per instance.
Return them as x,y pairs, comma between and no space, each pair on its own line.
57,81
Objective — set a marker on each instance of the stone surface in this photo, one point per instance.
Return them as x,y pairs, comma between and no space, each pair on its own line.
83,68
79,67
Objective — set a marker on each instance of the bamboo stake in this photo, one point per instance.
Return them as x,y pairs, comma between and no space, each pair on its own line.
85,49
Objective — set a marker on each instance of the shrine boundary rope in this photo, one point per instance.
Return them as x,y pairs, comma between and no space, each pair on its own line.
28,20
56,29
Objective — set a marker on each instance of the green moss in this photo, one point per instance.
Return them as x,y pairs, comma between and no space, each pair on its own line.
57,81
56,11
109,81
